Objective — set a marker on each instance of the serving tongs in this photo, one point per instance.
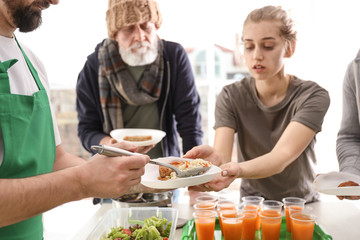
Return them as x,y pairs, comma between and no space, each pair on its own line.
113,152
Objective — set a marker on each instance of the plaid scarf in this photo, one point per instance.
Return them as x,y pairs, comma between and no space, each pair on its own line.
117,85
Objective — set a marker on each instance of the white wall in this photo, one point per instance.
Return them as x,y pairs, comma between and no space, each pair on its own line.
69,33
328,39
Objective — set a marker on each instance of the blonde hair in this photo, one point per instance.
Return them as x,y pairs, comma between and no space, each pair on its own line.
272,13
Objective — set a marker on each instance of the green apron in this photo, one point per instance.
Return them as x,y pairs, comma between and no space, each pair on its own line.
29,143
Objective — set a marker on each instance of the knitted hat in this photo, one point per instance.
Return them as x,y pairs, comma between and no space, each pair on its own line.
128,12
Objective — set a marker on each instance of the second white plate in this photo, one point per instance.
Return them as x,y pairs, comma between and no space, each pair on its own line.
157,135
328,184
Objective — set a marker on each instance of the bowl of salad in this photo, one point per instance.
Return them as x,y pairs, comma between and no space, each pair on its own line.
136,223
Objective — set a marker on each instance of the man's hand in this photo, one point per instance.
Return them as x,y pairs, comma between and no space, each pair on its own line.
109,177
125,145
108,141
144,149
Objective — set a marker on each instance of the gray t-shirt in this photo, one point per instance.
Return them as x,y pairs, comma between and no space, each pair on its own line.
259,127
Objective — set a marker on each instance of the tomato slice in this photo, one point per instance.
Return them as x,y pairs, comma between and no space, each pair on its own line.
127,231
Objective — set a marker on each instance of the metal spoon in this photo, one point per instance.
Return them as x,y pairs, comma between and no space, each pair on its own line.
138,197
113,151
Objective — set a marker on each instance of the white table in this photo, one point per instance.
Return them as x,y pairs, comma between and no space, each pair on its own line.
340,219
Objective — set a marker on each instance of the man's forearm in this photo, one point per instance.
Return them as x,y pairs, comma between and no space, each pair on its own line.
27,197
65,160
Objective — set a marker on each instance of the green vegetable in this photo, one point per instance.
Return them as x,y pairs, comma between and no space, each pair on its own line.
153,229
148,233
168,229
117,233
158,223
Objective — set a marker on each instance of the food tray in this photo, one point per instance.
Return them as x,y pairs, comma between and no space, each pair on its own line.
126,217
189,232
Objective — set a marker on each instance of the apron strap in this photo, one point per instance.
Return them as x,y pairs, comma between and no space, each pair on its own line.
4,77
31,67
4,66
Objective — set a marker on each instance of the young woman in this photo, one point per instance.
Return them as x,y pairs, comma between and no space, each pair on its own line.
273,115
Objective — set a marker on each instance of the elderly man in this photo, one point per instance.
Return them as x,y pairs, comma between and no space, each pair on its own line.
136,80
36,174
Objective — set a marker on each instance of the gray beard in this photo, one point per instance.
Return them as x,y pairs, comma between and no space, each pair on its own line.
144,53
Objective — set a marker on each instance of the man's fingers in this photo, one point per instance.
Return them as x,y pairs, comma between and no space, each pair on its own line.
134,162
134,181
125,145
144,149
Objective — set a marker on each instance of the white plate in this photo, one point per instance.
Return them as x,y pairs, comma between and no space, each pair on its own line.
156,135
150,178
328,184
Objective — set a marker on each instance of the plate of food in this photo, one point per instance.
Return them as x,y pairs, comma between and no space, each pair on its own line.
138,136
160,178
338,183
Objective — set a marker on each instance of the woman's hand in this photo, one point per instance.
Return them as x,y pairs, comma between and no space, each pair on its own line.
347,184
230,171
204,152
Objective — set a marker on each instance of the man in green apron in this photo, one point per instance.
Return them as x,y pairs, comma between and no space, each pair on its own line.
36,174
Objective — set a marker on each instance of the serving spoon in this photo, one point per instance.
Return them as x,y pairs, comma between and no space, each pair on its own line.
113,152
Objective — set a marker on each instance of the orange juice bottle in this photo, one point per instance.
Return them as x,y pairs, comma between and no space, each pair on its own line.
270,224
225,213
291,210
226,205
205,228
254,208
255,201
291,201
205,205
270,213
204,224
302,226
287,215
287,218
249,225
232,228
